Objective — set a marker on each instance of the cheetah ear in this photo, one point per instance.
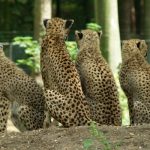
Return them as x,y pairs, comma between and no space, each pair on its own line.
99,33
143,47
45,22
138,44
141,44
69,23
79,34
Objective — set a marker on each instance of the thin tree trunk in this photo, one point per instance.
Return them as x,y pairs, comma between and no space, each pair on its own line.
146,24
146,29
58,8
138,15
43,10
125,18
107,16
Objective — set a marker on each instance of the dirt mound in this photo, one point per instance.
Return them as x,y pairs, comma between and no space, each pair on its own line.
79,138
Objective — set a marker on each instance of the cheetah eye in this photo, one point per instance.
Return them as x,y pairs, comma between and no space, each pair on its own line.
138,44
80,35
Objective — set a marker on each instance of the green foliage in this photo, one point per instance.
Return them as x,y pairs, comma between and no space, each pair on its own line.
98,136
93,26
72,49
32,49
87,144
123,102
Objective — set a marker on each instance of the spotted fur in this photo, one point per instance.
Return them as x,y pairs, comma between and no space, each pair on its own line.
97,79
64,96
135,80
15,85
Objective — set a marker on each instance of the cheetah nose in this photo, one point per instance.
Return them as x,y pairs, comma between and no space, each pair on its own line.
45,22
69,23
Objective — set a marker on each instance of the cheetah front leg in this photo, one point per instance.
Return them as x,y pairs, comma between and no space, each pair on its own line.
130,107
4,111
56,103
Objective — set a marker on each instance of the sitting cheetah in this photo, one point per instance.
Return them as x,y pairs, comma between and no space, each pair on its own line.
15,85
97,79
63,92
135,80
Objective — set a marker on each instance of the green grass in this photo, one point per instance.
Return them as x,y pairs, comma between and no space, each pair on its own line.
98,136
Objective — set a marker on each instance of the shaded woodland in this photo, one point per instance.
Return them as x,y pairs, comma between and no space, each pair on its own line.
118,19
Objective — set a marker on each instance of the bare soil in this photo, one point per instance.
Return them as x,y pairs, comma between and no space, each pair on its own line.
77,138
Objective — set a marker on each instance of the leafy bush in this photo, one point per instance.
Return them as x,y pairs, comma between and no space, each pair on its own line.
93,26
72,49
32,49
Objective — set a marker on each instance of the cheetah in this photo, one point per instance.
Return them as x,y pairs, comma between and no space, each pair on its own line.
135,80
15,85
97,80
63,92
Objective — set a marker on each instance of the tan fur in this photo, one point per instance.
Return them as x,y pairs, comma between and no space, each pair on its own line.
135,80
64,97
15,85
97,79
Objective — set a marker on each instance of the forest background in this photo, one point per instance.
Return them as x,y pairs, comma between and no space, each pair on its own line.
21,29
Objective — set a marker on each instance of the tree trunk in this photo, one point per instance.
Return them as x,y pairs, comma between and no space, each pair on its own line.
146,29
43,10
146,24
58,8
138,15
125,18
107,16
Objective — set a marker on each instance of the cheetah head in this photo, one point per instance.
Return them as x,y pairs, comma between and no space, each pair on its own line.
88,38
133,46
57,26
